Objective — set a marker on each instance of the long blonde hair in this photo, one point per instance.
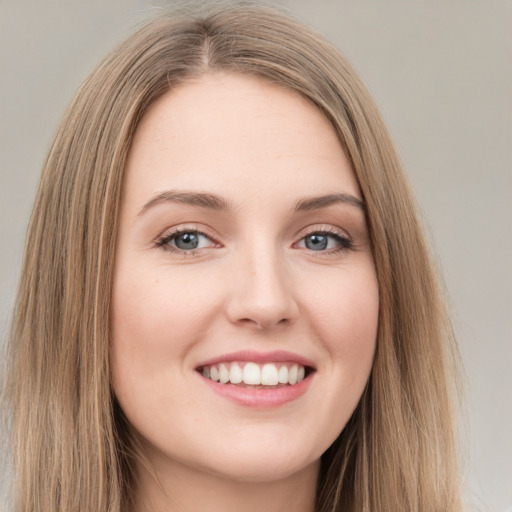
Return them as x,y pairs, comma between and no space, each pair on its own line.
71,451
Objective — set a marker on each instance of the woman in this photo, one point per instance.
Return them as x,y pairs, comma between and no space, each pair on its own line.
227,301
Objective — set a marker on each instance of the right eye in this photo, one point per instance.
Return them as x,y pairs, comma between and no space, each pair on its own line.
185,241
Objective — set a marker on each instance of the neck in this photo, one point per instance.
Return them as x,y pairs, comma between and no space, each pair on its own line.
183,489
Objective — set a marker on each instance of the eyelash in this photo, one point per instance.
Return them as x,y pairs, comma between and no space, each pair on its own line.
345,244
164,242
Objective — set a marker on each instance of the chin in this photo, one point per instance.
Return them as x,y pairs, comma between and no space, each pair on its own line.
265,461
262,469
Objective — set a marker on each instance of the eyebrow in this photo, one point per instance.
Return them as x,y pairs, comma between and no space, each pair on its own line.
318,202
202,199
214,202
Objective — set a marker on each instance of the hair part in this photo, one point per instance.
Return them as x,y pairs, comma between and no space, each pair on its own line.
72,449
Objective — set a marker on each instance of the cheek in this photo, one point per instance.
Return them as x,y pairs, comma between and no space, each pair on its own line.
149,310
344,315
154,323
352,329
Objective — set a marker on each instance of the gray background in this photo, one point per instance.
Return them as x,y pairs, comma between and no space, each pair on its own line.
441,72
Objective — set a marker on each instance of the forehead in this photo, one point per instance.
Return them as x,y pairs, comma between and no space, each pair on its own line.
236,135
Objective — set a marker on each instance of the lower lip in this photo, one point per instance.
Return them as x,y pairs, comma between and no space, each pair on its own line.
259,397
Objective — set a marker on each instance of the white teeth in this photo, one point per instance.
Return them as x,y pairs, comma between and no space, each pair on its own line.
223,374
214,373
269,375
235,374
282,376
252,374
292,374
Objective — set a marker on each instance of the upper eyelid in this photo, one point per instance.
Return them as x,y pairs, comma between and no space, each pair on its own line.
345,239
187,228
164,241
328,229
208,232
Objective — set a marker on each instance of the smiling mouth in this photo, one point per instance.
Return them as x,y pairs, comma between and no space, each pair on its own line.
254,375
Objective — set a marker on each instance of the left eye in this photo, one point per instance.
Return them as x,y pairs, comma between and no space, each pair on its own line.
322,241
186,241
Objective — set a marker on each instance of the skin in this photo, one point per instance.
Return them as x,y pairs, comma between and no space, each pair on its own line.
252,284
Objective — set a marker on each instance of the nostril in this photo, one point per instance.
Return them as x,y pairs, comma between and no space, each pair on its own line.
247,321
264,324
260,302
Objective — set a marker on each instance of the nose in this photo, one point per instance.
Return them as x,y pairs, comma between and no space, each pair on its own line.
261,291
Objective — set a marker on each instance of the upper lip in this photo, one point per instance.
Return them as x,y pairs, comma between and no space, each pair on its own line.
277,356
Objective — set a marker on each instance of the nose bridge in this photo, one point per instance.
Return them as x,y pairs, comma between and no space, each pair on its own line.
262,293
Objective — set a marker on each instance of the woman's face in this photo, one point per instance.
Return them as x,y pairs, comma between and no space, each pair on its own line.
245,300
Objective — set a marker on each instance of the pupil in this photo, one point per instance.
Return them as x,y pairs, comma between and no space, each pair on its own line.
316,242
187,241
